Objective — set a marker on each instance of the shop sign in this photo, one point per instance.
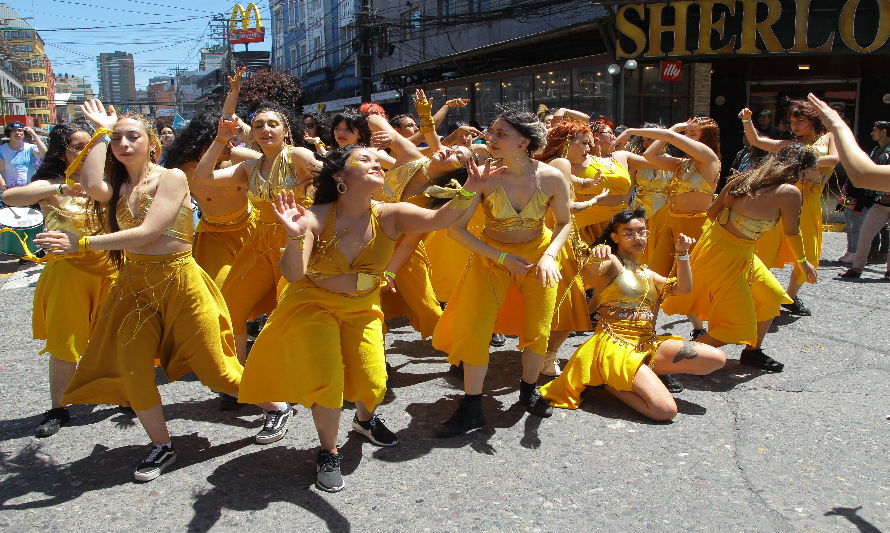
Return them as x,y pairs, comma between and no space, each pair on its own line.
751,27
246,33
671,70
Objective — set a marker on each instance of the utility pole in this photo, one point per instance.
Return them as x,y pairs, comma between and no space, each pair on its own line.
365,56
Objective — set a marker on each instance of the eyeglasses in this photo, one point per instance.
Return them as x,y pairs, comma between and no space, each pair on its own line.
76,148
631,235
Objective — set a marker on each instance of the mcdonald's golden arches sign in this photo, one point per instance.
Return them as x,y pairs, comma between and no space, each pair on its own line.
246,33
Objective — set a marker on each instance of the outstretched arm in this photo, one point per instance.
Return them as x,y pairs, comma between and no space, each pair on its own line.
755,138
92,169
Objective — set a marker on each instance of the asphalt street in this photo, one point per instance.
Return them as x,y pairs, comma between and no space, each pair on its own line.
804,450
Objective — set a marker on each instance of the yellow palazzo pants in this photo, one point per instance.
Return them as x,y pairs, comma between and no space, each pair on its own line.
161,307
731,288
319,347
219,239
472,314
661,254
66,302
611,356
250,288
773,249
414,297
448,258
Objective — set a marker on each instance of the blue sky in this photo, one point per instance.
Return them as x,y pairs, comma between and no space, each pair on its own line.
163,34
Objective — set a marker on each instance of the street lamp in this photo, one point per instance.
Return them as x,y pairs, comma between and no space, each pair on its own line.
618,81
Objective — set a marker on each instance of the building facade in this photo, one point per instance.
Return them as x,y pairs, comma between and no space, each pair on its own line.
313,39
12,90
27,47
70,92
117,79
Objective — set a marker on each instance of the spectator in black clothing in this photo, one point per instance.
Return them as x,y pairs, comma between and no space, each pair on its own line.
764,124
854,202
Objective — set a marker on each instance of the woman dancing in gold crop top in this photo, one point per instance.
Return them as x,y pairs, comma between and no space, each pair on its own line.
251,286
773,248
514,242
335,260
70,288
734,291
625,353
162,305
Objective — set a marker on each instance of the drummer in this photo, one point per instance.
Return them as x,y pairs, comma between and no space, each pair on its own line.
18,158
70,287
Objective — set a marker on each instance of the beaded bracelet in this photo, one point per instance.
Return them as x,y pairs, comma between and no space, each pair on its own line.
502,257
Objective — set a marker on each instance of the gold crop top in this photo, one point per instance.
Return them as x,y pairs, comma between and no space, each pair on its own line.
263,193
500,215
615,177
326,260
396,179
687,178
651,189
631,289
182,227
751,228
820,148
74,215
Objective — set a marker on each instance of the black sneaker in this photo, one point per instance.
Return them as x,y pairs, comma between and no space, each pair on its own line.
329,478
227,402
498,340
376,432
850,273
696,333
274,427
673,386
798,308
159,458
468,416
528,396
758,359
53,420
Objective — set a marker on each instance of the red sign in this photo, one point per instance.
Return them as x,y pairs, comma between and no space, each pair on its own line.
255,35
671,70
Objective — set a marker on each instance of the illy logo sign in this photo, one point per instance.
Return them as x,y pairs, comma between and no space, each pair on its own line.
671,70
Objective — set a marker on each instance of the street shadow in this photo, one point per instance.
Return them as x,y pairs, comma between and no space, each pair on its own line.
862,280
30,471
674,324
238,487
19,428
726,379
598,401
247,416
851,514
784,319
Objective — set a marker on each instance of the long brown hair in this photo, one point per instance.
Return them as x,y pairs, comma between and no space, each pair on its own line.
559,137
783,166
710,132
116,175
803,108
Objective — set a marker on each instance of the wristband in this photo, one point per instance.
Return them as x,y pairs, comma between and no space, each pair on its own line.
298,238
391,275
465,193
684,257
83,244
218,140
502,257
746,120
59,189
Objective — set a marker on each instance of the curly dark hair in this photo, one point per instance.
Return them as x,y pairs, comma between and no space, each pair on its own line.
355,121
54,164
527,124
293,128
322,126
803,108
193,141
622,217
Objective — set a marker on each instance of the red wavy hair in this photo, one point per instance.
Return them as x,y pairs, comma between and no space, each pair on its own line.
372,108
559,136
710,132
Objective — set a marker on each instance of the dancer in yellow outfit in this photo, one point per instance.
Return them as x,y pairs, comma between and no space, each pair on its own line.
514,242
70,288
251,286
625,353
162,305
734,291
650,188
410,293
335,261
773,248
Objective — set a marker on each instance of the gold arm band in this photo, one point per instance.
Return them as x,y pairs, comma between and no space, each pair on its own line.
795,242
460,203
299,239
83,244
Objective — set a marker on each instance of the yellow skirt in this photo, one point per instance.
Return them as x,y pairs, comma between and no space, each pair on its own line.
448,258
219,239
611,356
250,288
319,347
661,237
571,312
732,289
481,303
161,307
414,297
66,302
772,247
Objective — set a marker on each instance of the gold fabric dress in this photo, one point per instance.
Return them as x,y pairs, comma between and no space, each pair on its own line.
592,221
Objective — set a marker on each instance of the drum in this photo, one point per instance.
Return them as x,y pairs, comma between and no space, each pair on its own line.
25,223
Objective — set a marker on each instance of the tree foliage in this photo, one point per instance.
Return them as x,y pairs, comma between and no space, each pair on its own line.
265,85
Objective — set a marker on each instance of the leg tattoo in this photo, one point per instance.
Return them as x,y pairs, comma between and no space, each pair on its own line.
687,351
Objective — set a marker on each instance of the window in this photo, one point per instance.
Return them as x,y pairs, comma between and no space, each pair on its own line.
292,8
517,91
446,8
318,53
553,88
293,59
649,98
488,94
303,67
411,23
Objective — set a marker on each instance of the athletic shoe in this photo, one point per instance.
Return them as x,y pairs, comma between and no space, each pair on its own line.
498,340
159,458
696,333
673,386
53,420
798,308
758,359
329,478
551,365
529,396
850,273
274,427
846,258
227,402
375,430
467,417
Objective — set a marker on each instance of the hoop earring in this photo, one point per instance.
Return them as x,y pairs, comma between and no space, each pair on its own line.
341,187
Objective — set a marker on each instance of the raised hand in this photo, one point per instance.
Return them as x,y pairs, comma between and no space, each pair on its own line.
457,103
682,244
599,197
622,139
96,113
381,139
235,81
829,115
293,216
227,129
476,179
679,127
746,114
600,253
422,104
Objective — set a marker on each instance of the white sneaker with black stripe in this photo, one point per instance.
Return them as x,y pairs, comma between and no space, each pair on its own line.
159,458
275,426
